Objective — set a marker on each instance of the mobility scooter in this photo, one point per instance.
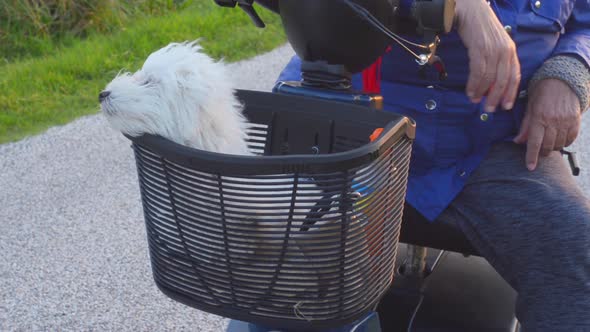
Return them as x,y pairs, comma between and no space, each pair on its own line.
334,247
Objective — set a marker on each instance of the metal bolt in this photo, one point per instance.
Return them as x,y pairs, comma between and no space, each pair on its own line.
537,4
422,59
315,150
463,173
430,105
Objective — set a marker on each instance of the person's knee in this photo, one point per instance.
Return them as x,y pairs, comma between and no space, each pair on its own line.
564,241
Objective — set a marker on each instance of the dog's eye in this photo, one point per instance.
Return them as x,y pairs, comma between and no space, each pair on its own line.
146,81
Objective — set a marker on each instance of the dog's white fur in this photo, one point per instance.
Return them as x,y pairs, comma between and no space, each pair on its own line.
180,94
183,95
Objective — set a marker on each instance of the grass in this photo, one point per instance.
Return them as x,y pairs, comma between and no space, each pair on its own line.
54,89
31,28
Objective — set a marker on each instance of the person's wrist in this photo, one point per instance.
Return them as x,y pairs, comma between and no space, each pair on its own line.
569,70
462,8
459,9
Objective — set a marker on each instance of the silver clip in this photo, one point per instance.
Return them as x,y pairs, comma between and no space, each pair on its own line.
422,59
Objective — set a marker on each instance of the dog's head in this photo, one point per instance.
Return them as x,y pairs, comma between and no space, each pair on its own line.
180,94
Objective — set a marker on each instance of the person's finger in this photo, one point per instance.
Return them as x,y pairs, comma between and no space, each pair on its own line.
560,139
534,144
572,134
512,89
487,78
524,128
498,88
548,141
477,67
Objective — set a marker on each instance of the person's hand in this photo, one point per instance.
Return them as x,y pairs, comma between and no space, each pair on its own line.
494,69
552,120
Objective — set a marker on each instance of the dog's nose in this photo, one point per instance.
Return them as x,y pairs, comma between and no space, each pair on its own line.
103,95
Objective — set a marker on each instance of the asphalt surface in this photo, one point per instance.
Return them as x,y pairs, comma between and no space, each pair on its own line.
73,250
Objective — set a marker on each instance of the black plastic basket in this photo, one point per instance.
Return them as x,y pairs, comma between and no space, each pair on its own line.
303,236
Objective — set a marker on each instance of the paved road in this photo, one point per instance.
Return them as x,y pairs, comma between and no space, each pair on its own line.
73,253
73,250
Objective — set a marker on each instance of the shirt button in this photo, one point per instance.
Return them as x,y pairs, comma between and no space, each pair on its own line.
537,4
430,105
508,28
484,117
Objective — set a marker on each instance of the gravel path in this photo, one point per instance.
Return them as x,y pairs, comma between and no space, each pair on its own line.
73,249
73,253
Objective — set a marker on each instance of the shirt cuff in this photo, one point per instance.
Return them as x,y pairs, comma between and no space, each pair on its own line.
570,70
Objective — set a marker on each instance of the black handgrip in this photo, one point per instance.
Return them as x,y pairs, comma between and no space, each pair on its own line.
434,15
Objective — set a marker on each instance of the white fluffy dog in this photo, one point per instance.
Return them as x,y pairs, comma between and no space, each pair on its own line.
180,94
183,95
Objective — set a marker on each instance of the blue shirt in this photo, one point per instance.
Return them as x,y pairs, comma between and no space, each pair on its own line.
454,135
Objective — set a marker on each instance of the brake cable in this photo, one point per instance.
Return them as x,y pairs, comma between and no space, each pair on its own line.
429,51
421,59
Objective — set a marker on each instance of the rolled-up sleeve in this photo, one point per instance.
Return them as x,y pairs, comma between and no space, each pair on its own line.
576,38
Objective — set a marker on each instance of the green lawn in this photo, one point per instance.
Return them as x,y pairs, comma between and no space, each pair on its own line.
54,89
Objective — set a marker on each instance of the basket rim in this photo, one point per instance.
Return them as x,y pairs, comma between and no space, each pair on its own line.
228,164
278,323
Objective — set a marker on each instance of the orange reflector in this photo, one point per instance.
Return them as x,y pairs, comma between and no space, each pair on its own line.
376,134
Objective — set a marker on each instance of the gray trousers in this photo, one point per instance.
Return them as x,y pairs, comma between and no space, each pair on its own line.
534,228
